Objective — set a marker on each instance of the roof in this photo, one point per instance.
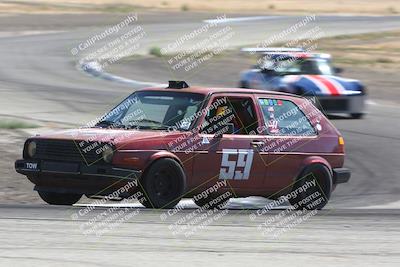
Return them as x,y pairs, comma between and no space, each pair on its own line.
287,55
284,52
213,90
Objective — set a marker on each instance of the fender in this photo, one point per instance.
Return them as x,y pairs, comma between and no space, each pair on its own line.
313,160
162,154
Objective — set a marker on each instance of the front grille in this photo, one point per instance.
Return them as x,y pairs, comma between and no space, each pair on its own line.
68,150
334,104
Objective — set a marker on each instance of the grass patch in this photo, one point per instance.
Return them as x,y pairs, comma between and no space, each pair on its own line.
372,50
155,51
11,124
297,7
185,7
118,8
392,10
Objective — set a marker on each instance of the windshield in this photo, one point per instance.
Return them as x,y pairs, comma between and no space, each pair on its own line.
316,66
155,110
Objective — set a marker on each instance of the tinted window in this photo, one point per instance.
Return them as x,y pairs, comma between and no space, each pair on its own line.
229,115
283,117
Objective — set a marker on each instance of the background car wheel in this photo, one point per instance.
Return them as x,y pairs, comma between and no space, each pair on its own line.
163,184
212,201
315,196
243,84
53,198
357,115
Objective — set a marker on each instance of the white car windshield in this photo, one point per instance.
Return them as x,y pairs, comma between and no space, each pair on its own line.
316,66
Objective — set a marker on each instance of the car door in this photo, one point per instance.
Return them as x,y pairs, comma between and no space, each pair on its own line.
286,133
230,154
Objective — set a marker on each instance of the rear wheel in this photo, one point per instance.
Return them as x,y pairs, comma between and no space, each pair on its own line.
53,198
357,115
312,189
243,84
163,184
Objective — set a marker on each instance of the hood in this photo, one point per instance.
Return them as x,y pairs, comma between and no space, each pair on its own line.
324,84
117,137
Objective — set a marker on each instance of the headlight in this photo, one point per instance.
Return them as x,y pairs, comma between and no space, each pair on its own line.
108,154
31,149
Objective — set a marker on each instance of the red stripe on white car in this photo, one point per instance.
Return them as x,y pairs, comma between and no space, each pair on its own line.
321,86
329,84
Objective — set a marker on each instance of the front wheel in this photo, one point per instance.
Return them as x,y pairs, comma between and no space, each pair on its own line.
163,184
53,198
243,84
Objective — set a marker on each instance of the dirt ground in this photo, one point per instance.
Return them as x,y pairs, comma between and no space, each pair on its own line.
15,188
388,7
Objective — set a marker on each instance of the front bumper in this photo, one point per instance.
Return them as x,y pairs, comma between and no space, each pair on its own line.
76,177
341,175
340,104
35,167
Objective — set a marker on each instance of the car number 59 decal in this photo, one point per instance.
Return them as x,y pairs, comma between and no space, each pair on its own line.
236,164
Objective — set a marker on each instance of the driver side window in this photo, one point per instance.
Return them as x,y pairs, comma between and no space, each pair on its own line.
230,115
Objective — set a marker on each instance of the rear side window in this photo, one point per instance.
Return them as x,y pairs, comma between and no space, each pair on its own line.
283,117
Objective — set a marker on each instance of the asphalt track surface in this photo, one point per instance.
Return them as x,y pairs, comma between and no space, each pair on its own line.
39,80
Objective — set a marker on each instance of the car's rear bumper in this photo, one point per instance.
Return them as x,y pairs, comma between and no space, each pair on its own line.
75,177
341,175
350,104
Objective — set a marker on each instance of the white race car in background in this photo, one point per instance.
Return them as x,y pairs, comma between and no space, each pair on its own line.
308,74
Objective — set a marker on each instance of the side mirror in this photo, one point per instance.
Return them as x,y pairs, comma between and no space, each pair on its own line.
338,70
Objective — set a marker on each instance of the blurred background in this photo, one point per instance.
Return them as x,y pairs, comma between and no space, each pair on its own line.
63,63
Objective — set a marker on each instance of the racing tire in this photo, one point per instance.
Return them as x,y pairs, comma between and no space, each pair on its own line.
243,84
212,201
53,198
317,194
357,115
163,184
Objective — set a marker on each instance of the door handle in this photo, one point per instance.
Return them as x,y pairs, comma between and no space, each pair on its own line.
256,143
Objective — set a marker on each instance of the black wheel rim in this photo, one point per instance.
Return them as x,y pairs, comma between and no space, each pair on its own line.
163,185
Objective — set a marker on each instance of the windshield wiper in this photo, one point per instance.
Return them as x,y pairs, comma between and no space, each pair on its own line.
149,121
104,123
109,124
145,127
138,123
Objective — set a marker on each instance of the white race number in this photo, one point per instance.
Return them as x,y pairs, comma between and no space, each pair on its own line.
236,164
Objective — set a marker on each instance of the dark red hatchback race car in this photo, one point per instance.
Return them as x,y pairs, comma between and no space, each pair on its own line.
208,144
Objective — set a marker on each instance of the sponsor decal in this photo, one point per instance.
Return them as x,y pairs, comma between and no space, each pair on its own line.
273,126
205,141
